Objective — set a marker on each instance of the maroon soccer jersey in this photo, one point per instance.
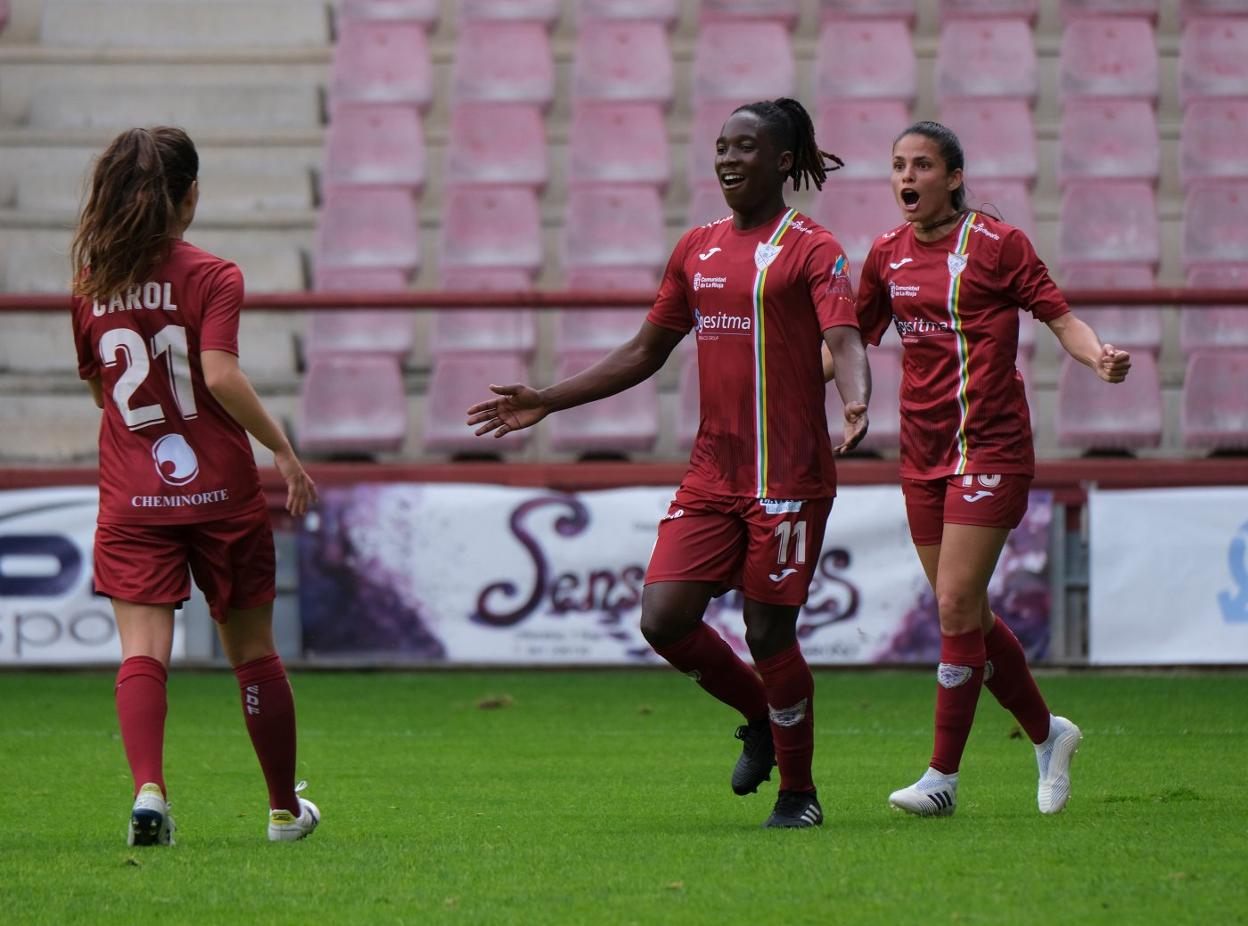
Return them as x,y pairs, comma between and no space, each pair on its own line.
169,453
759,301
955,304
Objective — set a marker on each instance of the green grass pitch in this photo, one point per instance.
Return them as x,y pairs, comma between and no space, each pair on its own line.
603,798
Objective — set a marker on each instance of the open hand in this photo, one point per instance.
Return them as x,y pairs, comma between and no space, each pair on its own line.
855,427
300,489
1113,364
515,408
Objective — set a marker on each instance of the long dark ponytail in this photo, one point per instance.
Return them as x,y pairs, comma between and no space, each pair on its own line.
789,125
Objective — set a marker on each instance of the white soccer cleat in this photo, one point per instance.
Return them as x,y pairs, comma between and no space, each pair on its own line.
1053,757
150,821
933,795
284,826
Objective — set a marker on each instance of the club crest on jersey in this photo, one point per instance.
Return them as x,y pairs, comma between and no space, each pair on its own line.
765,253
957,263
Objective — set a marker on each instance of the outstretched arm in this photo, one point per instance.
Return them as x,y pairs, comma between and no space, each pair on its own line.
853,380
1080,341
519,406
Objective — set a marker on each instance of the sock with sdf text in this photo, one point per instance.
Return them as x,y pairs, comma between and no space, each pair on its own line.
1012,684
142,703
707,658
791,702
959,677
269,709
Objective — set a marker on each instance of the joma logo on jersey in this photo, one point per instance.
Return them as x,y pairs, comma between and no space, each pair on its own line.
705,282
717,323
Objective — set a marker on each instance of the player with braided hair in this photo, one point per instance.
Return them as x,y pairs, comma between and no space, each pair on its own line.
762,288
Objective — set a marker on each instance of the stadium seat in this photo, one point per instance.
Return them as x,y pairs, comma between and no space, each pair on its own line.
706,204
623,61
1214,230
614,226
1109,57
1215,326
381,279
618,143
737,62
544,12
868,9
352,405
1213,142
688,403
986,57
503,62
382,62
375,145
1215,400
1133,328
1108,140
708,119
1211,57
477,154
198,107
663,11
1108,223
425,12
884,431
624,423
462,380
460,331
1074,9
1192,8
976,9
861,133
865,58
228,24
368,228
784,12
857,213
1007,199
490,227
1098,416
998,137
381,332
603,329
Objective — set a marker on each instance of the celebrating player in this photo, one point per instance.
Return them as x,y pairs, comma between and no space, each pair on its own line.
155,323
951,280
761,288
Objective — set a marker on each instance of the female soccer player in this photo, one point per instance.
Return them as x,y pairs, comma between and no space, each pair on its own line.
951,280
155,323
761,287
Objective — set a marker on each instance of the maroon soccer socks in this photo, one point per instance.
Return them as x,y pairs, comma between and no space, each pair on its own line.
269,709
707,658
1012,684
791,705
142,704
959,677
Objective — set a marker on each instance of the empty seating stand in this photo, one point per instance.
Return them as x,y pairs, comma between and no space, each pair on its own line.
603,329
1215,400
1146,9
1203,327
463,380
156,23
502,143
375,145
903,10
352,406
623,60
1214,140
1133,328
872,58
975,9
490,227
618,143
544,12
741,61
784,12
861,133
381,332
998,136
1108,223
1109,57
661,11
614,226
503,62
1098,416
368,229
200,108
1211,57
484,330
382,62
1214,230
425,12
986,58
884,432
622,424
857,213
1108,140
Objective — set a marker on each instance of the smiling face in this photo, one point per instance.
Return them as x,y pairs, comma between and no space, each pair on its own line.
922,183
750,167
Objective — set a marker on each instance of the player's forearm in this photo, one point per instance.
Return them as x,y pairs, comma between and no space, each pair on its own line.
623,368
237,396
1077,339
849,361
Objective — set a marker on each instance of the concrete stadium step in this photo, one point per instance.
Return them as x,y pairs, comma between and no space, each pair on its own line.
184,23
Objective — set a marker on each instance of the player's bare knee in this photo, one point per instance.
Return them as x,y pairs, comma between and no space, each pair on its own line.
663,628
960,611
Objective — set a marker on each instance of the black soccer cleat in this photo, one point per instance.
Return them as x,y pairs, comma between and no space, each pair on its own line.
758,756
794,810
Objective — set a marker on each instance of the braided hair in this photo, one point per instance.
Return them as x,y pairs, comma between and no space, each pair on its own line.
789,126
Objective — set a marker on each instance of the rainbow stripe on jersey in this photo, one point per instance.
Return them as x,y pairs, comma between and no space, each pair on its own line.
760,352
957,258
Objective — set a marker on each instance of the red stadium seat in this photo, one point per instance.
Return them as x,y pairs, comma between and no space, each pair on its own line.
503,62
386,333
706,204
861,133
1108,223
739,62
624,423
618,143
624,61
1211,57
664,11
603,329
1214,230
688,403
868,9
865,58
1133,328
1109,140
784,12
708,119
998,137
1215,326
614,226
463,331
1215,400
857,213
352,405
425,12
1074,9
986,57
462,380
1099,416
1214,140
375,145
382,279
884,429
975,9
1007,199
476,154
544,12
1109,57
368,229
382,62
490,228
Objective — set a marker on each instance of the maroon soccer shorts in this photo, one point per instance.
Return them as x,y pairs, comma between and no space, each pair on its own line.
768,548
232,560
981,500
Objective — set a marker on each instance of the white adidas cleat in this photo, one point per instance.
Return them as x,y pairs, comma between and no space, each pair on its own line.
1053,757
150,821
284,826
933,795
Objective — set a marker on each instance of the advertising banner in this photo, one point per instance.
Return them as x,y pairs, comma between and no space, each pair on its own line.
1169,576
469,574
